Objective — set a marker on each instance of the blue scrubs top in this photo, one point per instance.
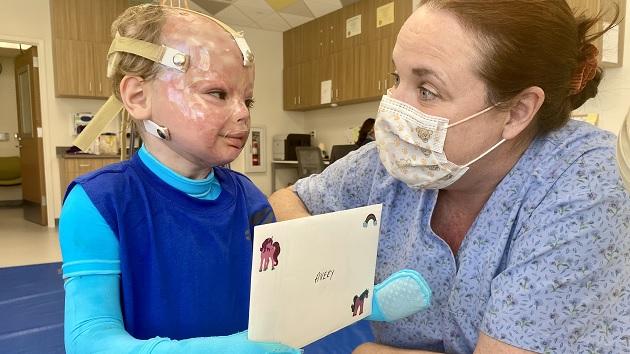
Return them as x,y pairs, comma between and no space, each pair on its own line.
544,267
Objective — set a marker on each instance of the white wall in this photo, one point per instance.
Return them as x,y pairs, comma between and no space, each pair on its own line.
8,102
613,99
331,125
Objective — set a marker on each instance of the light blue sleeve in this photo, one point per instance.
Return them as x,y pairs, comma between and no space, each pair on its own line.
88,245
93,316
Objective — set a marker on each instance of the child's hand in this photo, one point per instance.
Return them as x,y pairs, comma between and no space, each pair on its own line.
402,294
240,344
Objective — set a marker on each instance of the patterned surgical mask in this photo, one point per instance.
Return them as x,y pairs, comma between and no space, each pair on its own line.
411,145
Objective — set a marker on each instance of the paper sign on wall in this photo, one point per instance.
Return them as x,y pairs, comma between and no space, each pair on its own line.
326,92
353,26
610,45
385,15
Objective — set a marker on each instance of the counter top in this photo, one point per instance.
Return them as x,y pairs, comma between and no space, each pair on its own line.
61,152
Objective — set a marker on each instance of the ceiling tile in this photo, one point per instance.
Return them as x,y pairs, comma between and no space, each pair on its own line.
259,7
297,8
233,16
295,20
280,4
273,22
211,6
322,7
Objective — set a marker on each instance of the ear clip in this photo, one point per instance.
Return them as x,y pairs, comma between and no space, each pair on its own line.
157,130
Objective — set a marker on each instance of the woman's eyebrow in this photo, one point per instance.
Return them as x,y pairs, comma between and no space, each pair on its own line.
422,72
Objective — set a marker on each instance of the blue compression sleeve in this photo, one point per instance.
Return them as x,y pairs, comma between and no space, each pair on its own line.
94,324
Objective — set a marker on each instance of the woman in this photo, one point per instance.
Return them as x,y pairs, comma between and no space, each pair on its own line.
366,133
515,215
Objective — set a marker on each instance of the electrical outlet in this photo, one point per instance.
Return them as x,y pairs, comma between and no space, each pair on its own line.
313,136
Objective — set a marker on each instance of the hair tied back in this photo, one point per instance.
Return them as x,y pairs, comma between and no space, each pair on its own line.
586,69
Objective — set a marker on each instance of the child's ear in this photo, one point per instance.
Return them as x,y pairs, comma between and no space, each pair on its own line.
136,97
524,108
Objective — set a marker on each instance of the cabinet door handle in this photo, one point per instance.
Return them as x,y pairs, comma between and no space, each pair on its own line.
84,165
336,93
299,99
294,100
379,85
90,87
100,87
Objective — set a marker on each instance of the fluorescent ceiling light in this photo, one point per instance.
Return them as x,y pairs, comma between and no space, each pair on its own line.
14,45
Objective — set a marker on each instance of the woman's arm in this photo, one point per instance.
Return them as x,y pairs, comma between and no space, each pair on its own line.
485,345
287,205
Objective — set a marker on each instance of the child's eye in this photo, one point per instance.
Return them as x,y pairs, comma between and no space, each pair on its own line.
218,94
396,78
250,103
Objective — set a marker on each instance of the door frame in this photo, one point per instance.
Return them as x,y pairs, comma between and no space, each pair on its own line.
44,55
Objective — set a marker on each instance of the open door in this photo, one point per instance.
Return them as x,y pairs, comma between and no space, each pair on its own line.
30,136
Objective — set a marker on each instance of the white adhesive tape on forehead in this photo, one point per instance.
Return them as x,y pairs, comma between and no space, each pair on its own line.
248,55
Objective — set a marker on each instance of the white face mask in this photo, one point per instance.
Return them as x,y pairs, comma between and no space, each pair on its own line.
411,145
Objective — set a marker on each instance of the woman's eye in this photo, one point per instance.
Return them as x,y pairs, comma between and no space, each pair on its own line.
250,103
218,94
426,95
396,78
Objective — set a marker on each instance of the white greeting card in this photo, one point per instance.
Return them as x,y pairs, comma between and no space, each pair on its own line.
313,276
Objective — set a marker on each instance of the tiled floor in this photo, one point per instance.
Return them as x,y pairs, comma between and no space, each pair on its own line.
23,242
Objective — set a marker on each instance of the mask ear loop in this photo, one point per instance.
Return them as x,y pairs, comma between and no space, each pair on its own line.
475,116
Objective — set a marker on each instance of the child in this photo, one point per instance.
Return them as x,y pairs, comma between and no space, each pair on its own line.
157,250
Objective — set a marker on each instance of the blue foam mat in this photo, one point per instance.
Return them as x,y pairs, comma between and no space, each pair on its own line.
31,304
31,315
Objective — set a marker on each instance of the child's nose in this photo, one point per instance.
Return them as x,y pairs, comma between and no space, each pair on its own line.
241,112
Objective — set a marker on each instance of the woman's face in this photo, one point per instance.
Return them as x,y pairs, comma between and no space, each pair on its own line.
206,109
436,69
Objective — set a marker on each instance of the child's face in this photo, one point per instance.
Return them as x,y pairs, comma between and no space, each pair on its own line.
205,109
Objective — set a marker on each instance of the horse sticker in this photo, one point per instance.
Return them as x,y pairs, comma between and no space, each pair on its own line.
357,303
269,252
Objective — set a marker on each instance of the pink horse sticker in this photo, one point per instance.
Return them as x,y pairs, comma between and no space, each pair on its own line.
269,252
357,303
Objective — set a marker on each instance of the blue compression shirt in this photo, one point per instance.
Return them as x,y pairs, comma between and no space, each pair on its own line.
95,318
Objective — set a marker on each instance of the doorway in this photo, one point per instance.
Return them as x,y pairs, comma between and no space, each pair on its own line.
21,122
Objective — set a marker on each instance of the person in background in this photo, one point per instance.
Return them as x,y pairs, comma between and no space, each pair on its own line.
366,133
515,214
157,250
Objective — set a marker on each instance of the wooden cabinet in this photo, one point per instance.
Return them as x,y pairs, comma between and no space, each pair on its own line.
359,66
81,39
299,86
73,167
608,57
